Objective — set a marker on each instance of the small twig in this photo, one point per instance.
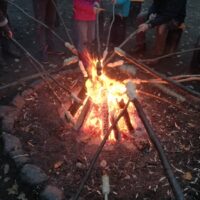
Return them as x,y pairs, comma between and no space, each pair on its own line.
188,79
18,156
160,99
185,76
173,54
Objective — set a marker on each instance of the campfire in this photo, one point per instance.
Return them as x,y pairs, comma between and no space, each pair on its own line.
103,100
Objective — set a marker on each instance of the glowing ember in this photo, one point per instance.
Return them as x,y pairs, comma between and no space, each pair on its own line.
105,94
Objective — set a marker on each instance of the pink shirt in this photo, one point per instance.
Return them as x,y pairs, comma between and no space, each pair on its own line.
83,10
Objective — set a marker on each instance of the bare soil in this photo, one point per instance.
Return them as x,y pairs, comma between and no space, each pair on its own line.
135,171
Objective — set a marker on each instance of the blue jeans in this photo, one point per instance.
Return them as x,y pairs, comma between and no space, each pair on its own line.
84,35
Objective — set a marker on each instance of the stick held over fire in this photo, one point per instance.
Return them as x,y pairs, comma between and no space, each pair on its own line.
131,92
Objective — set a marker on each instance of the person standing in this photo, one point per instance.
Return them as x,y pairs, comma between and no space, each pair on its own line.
85,12
135,9
164,16
118,31
45,11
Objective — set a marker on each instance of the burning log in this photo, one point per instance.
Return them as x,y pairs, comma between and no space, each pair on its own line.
75,106
83,115
115,128
69,117
105,114
126,117
83,70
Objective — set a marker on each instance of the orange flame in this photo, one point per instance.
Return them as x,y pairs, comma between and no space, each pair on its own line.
105,94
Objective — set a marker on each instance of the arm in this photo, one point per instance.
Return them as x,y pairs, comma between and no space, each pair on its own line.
175,10
3,20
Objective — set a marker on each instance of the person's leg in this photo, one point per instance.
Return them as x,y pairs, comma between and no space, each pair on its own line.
3,63
40,14
81,40
195,62
115,31
140,37
135,10
161,36
50,19
8,48
122,29
81,27
91,32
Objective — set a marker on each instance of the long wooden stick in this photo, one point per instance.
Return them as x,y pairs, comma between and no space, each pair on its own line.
193,94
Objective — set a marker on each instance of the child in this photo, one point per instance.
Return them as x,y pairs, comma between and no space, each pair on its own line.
118,32
84,21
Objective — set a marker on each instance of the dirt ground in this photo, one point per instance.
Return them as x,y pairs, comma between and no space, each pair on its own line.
133,165
135,175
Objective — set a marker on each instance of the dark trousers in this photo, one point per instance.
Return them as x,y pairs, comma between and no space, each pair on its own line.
135,9
195,62
167,36
45,11
118,31
4,42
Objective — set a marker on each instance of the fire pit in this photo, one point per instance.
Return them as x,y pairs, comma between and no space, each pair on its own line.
62,139
104,98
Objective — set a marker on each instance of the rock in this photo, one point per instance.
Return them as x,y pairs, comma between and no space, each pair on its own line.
27,92
18,101
5,110
8,123
32,175
11,143
19,157
6,169
9,115
13,148
51,193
